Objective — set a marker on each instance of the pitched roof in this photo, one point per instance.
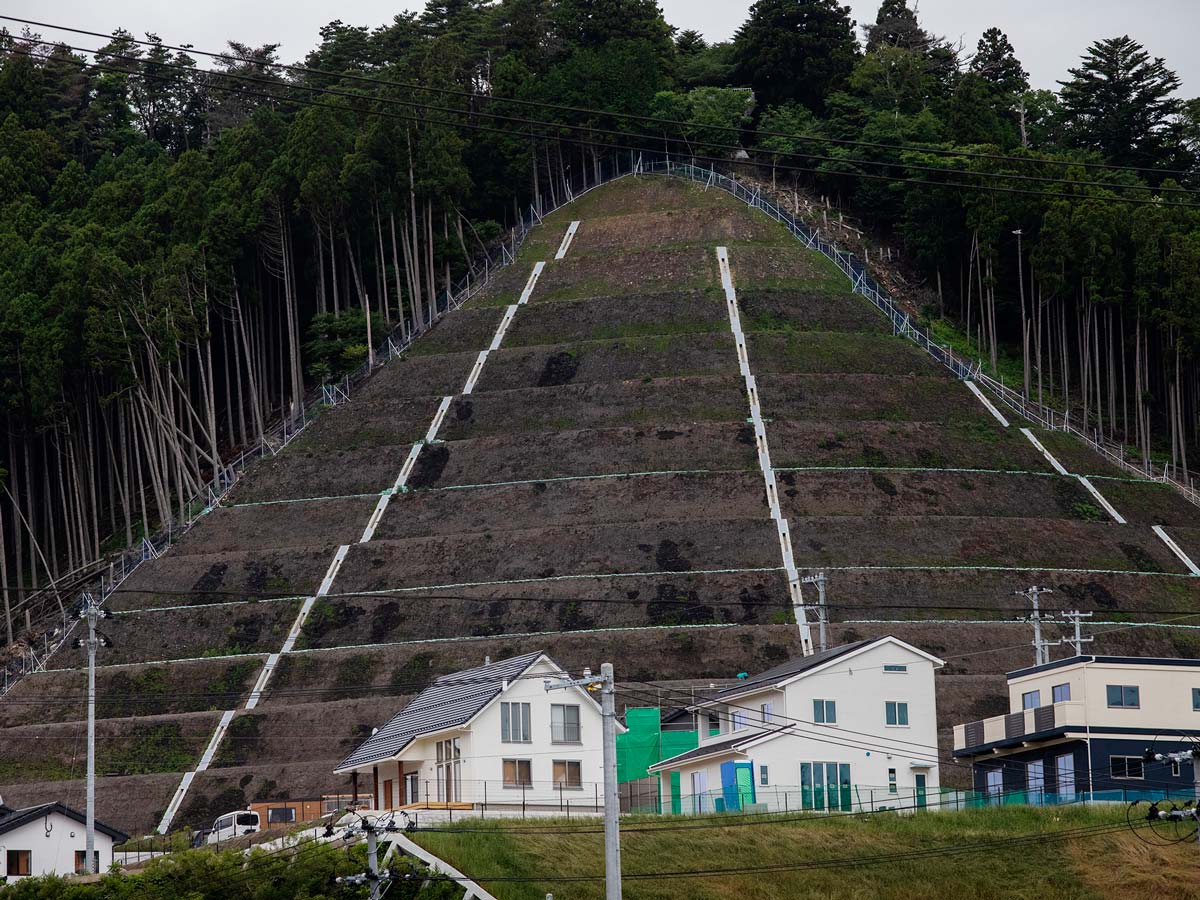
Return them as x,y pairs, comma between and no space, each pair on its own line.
14,818
450,701
790,669
723,746
801,664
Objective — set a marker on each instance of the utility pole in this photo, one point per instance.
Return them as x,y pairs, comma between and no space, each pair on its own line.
1041,648
1075,617
369,826
822,612
91,613
1179,757
606,684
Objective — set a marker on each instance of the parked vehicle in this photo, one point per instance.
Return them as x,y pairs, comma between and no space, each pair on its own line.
232,825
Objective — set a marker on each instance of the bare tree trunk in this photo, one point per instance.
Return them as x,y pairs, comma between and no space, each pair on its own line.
395,271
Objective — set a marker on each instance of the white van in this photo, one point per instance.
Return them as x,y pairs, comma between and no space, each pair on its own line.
232,825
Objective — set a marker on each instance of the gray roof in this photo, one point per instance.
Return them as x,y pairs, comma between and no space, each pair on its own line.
723,746
450,701
14,818
792,667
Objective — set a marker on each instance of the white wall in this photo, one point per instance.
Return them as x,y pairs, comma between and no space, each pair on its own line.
860,688
483,753
52,853
487,752
1165,693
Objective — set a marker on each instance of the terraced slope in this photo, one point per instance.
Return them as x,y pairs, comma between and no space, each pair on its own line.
597,493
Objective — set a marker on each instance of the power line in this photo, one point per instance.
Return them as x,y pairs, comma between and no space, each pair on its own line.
651,120
192,71
649,148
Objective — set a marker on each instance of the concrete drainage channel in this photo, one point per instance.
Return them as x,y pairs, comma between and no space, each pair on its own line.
764,453
376,517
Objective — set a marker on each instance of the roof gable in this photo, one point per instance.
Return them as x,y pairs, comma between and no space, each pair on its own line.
451,701
11,819
802,666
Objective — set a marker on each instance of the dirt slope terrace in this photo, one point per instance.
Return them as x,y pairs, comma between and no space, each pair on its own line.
602,474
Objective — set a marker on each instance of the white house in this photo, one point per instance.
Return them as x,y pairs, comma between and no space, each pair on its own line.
49,839
850,728
490,736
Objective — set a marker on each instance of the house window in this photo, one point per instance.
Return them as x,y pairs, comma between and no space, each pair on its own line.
81,858
1035,780
1061,693
714,724
514,723
762,775
19,862
896,713
280,815
1064,771
892,788
768,711
1126,767
1031,700
739,721
895,667
564,724
995,782
448,770
825,712
568,773
1173,766
1123,696
1196,699
518,773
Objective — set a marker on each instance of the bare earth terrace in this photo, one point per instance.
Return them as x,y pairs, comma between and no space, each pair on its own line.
597,494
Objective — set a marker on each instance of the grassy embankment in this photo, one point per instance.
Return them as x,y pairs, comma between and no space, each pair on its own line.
1098,867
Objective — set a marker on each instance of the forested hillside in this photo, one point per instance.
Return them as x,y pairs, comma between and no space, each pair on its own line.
190,242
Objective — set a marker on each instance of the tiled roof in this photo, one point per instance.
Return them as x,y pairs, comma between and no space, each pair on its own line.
450,701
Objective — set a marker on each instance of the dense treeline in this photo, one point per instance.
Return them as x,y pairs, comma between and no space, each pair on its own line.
186,246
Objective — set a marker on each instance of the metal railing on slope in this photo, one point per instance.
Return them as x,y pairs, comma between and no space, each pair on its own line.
903,325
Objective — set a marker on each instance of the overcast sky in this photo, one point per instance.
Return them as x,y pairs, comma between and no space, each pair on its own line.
1049,35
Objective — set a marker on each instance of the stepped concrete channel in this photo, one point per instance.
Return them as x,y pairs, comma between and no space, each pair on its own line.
629,448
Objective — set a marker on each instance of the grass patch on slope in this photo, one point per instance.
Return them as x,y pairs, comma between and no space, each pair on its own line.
1038,868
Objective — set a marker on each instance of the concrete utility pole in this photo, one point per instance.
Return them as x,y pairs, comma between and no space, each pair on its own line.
369,826
608,707
1041,648
822,612
1075,617
91,613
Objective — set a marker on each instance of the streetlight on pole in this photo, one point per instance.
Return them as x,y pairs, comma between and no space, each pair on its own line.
606,684
91,613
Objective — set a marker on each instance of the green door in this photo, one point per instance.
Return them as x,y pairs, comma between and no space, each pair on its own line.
920,783
744,779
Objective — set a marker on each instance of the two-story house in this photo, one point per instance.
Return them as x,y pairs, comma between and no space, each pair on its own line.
491,735
849,728
1080,726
